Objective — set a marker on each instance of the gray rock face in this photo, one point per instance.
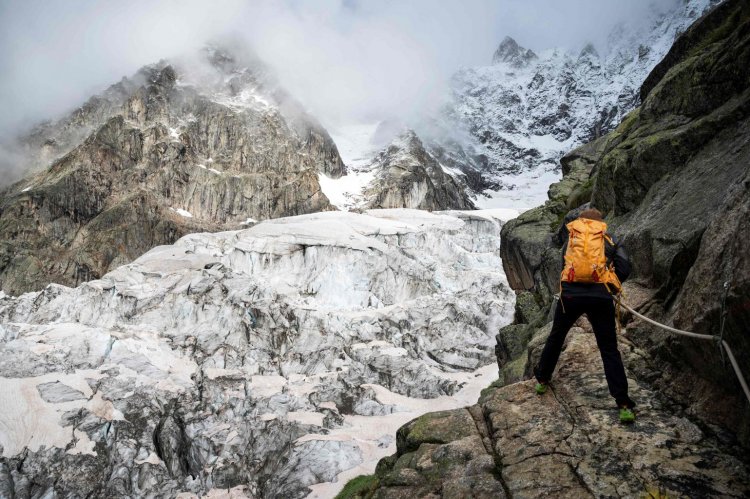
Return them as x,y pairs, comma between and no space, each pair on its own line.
674,179
172,150
56,392
407,176
722,263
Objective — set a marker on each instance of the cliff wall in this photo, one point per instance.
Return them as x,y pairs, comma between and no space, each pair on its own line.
673,180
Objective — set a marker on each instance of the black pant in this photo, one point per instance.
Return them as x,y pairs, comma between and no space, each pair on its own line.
601,315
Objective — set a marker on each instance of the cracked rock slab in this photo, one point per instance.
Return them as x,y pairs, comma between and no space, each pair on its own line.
566,443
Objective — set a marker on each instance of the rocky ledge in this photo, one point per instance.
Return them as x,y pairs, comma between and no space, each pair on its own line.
674,183
566,443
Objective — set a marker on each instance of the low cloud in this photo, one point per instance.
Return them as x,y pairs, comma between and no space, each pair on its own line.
344,59
13,164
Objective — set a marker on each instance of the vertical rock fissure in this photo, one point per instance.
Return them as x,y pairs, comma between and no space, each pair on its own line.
484,432
574,466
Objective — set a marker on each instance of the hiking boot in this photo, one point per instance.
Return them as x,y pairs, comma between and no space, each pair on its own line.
541,388
627,416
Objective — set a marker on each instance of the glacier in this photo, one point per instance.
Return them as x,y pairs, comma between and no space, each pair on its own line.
260,362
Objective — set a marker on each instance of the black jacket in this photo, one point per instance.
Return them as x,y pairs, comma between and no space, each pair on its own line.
615,253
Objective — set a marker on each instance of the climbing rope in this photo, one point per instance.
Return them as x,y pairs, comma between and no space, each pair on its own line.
718,339
723,320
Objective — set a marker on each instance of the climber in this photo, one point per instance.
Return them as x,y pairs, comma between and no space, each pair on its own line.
594,266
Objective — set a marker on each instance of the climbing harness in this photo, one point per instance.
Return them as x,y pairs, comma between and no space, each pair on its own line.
718,339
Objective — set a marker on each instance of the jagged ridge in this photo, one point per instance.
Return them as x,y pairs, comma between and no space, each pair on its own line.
527,112
197,146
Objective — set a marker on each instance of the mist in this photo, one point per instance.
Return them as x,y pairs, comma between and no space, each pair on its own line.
345,60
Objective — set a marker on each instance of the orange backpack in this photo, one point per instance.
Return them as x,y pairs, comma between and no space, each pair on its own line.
585,258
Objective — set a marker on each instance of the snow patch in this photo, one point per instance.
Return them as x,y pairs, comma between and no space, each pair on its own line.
182,213
357,147
520,192
346,192
356,143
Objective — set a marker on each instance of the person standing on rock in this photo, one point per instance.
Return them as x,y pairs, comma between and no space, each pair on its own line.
594,266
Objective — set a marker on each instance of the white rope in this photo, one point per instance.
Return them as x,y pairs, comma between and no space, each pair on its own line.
668,328
736,367
708,337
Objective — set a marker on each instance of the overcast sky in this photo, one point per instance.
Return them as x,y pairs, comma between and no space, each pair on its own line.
341,58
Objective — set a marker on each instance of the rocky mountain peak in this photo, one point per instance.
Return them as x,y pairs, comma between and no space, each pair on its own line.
231,56
406,143
182,146
511,53
408,175
218,56
590,51
167,76
160,74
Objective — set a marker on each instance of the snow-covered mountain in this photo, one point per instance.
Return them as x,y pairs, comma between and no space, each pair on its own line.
265,360
506,126
390,166
526,110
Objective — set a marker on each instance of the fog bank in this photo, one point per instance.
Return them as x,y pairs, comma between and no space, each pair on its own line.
344,59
